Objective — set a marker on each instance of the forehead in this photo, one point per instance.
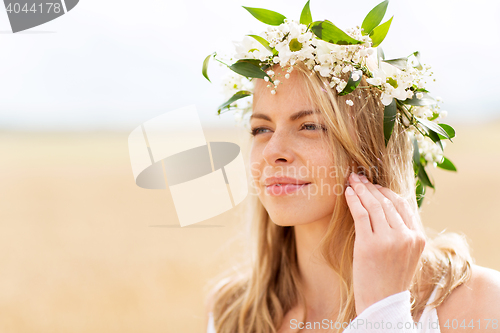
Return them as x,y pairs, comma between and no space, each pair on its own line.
291,100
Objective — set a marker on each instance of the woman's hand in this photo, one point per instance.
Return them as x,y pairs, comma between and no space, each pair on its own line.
388,242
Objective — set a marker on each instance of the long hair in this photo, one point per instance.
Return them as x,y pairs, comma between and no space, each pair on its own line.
254,297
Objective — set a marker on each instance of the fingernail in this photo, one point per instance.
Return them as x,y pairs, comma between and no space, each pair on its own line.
363,178
354,177
377,186
349,191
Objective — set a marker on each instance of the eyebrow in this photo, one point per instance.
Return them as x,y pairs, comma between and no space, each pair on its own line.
293,117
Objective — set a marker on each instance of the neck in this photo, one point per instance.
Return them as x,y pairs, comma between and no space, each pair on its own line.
321,284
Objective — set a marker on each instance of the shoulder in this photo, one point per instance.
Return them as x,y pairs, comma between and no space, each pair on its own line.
477,300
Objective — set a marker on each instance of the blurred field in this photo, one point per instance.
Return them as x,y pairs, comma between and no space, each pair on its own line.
83,249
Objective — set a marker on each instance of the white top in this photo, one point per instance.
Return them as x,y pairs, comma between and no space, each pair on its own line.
391,314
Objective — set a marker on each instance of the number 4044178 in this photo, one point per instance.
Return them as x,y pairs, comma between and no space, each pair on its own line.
47,7
479,324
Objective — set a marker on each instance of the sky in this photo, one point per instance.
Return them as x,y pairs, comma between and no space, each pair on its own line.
114,64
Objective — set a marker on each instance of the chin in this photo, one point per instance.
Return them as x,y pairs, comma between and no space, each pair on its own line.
298,208
293,215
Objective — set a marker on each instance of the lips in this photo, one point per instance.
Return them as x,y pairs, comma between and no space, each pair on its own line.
285,189
284,181
279,186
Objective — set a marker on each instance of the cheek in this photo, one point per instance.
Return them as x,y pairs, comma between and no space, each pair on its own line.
325,172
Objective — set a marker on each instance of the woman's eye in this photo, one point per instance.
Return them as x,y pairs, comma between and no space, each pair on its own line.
257,130
313,126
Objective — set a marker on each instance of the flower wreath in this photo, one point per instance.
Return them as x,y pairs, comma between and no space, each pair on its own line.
331,52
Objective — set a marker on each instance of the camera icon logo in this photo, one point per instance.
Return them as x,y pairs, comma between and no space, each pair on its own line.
205,179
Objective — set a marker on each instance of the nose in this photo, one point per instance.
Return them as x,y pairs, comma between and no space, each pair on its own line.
278,149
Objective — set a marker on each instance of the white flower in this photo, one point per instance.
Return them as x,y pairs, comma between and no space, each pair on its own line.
375,81
326,48
250,48
427,148
324,70
394,82
341,85
349,102
420,95
347,68
234,82
292,42
386,99
406,122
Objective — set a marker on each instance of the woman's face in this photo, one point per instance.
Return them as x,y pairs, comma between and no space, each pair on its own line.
288,142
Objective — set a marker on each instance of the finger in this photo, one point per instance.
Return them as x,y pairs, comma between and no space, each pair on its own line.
358,212
402,206
371,204
391,213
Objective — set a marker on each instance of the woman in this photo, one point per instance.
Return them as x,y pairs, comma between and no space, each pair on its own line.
340,238
304,238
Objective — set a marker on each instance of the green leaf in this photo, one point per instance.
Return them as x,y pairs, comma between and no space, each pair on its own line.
390,113
447,165
351,84
248,69
420,193
255,62
432,126
435,138
328,32
449,130
239,95
374,17
305,16
266,16
378,34
205,66
399,63
424,178
425,100
264,42
416,153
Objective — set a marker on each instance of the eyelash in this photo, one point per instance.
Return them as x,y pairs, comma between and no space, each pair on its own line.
254,131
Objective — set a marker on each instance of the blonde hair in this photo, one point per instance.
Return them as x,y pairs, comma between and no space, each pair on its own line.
256,296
